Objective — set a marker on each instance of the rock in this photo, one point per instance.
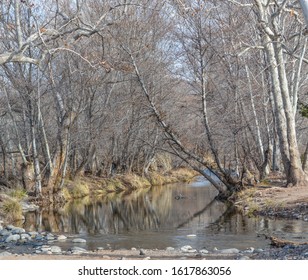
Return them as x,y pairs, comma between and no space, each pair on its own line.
61,237
21,241
39,237
188,249
5,232
25,236
33,233
78,250
191,235
249,250
228,251
45,248
50,236
1,227
55,249
9,227
5,254
100,248
203,251
243,258
17,230
142,252
258,250
79,240
134,249
170,249
147,258
37,244
12,238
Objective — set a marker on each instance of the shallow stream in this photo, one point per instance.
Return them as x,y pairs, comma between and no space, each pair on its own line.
159,217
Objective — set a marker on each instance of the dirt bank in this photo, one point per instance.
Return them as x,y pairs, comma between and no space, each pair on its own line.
274,199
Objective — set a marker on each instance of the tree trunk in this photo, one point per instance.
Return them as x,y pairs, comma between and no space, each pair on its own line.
304,5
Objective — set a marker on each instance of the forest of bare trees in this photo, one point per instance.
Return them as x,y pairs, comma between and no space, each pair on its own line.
106,86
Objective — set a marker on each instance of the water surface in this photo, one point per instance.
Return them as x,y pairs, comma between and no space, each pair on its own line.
160,217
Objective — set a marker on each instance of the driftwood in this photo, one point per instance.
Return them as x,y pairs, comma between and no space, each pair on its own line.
277,242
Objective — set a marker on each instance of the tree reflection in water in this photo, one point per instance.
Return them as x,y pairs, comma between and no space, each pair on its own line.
154,218
148,209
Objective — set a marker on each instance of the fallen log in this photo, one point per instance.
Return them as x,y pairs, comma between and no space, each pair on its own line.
279,243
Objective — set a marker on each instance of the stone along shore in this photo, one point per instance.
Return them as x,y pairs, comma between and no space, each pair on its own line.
16,242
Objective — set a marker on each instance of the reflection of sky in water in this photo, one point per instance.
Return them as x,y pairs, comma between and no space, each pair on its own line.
157,218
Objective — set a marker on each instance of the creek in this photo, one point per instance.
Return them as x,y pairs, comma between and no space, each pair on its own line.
159,217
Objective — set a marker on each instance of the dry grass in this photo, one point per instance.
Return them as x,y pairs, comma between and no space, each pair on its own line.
83,186
18,194
76,189
12,209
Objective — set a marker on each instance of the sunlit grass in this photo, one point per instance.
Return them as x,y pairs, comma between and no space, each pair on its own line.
12,209
18,194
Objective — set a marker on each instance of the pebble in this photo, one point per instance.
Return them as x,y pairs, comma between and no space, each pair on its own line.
79,240
134,249
142,252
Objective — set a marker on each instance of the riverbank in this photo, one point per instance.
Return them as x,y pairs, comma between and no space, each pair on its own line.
126,183
17,244
272,198
13,202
